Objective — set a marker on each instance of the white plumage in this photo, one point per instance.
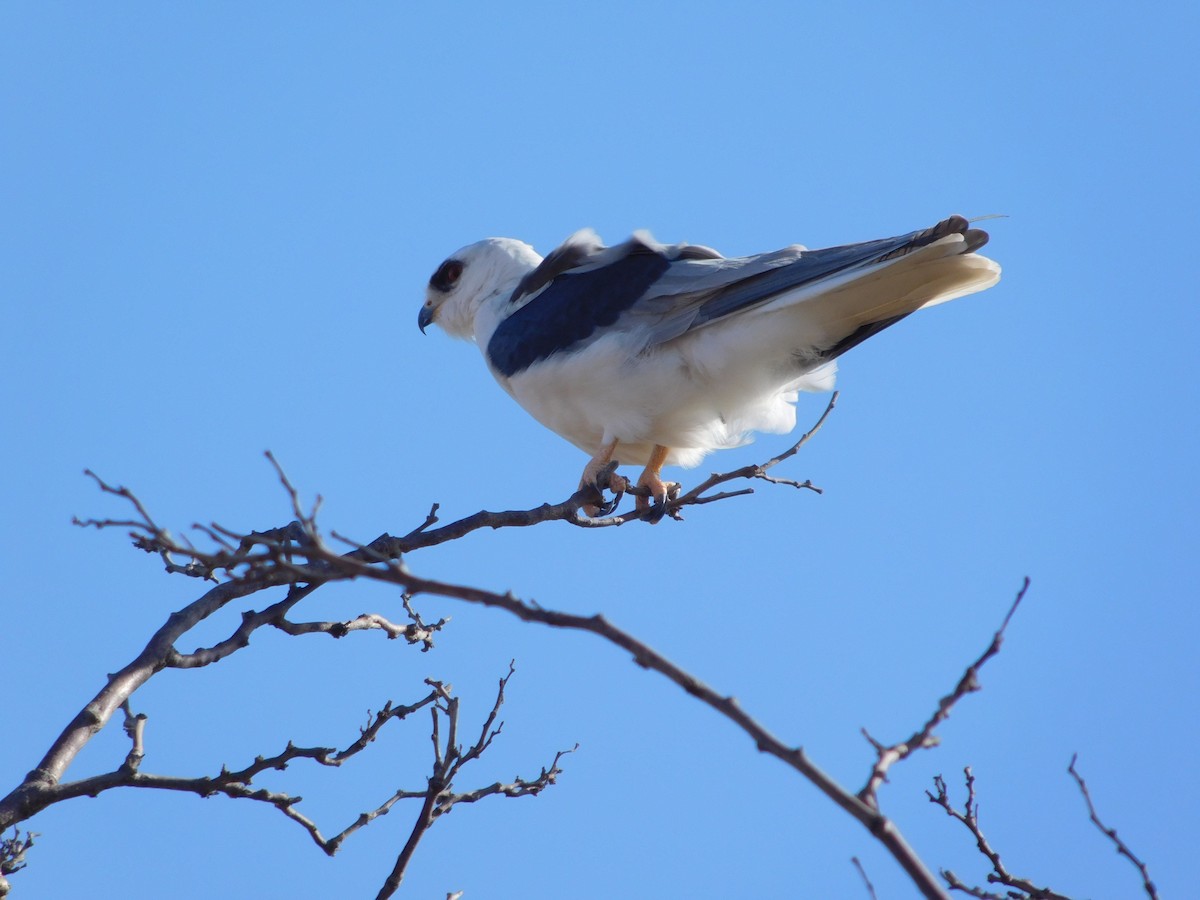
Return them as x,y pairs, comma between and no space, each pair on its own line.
650,353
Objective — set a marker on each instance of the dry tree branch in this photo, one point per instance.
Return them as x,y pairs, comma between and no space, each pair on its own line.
437,798
251,563
1111,833
260,560
233,784
12,855
448,760
969,817
1020,888
863,806
14,848
866,880
924,738
297,557
882,828
571,509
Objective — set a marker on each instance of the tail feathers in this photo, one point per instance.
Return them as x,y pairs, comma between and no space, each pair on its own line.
938,265
974,238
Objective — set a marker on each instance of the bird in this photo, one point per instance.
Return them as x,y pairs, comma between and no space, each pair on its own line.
651,354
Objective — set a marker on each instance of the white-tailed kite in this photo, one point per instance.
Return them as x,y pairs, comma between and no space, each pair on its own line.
655,354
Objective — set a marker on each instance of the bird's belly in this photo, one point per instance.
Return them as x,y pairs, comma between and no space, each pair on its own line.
599,393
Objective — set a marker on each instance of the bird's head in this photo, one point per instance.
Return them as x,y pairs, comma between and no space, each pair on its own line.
471,277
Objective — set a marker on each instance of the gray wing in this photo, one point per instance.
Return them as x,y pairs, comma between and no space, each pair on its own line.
692,293
653,292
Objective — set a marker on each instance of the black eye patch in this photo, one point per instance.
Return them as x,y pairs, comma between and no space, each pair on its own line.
446,276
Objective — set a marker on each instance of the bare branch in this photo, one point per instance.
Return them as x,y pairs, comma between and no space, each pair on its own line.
251,622
879,826
448,761
295,556
486,734
307,520
437,798
418,632
135,728
381,718
268,558
956,885
424,820
1111,833
235,784
430,520
867,881
924,737
969,817
760,471
14,848
518,787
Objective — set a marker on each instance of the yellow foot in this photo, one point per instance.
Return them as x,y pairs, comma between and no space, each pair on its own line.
601,474
651,480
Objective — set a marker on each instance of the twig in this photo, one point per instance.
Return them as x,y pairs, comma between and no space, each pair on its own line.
416,633
969,817
295,556
14,848
1111,833
696,496
267,558
924,738
879,825
867,881
135,729
448,760
518,787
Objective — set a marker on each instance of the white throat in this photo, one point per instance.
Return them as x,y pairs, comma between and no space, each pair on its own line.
492,268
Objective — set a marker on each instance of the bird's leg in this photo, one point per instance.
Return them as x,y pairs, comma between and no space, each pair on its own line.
601,473
652,480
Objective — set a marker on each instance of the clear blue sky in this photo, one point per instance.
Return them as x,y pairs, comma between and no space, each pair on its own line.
217,221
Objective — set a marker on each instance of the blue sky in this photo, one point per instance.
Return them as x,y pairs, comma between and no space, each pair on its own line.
217,224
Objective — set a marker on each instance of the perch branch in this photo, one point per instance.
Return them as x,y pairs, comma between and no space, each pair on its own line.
296,557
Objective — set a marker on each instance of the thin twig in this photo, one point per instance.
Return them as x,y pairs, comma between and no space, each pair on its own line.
448,761
1111,833
295,556
867,881
969,818
924,737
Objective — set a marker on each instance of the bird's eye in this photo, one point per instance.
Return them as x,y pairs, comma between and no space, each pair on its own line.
447,275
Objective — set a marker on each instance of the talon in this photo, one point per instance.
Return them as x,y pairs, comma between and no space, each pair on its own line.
659,491
601,473
607,478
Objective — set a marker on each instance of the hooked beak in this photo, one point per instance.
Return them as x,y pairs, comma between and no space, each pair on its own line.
424,318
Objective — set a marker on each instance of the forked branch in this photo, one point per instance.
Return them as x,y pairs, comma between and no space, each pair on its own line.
924,737
298,559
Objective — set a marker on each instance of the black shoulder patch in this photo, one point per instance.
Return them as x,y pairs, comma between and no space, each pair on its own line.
559,261
570,309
